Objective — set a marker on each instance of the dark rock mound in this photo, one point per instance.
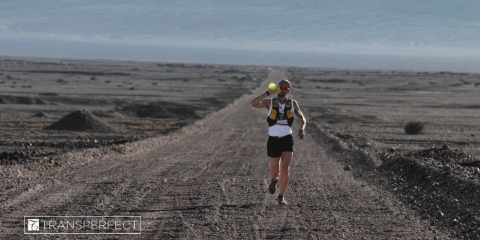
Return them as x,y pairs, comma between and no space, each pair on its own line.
333,80
102,114
48,94
22,100
445,155
161,110
42,115
213,101
81,120
31,100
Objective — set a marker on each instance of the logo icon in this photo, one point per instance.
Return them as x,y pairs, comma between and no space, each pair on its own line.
33,225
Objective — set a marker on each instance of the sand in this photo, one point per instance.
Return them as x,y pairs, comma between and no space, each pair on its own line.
188,150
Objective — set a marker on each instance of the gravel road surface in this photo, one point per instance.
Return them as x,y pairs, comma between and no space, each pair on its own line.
209,181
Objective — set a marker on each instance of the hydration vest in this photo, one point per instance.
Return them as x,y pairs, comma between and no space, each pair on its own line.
272,118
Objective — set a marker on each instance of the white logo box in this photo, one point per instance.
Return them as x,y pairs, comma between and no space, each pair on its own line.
32,224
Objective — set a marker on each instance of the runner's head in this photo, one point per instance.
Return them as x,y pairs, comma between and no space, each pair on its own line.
285,86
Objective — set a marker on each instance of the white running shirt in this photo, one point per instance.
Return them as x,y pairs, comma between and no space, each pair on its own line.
280,128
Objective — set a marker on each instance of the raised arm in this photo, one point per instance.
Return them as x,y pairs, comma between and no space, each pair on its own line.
260,101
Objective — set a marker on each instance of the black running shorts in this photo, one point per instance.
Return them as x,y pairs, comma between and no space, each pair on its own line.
277,145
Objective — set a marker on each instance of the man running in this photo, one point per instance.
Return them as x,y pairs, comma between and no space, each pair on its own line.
280,141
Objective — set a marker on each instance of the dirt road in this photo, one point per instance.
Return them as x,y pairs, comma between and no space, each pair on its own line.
209,181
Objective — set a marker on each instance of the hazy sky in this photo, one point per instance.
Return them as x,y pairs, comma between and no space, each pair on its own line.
408,28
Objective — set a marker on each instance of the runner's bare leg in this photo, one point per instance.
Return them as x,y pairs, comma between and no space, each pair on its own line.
275,167
286,158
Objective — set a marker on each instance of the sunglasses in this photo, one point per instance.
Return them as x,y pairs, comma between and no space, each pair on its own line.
286,89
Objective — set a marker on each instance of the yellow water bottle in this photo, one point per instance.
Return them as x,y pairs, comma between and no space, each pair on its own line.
274,87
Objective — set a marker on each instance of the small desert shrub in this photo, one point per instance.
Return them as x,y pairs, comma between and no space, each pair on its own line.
413,127
93,78
9,77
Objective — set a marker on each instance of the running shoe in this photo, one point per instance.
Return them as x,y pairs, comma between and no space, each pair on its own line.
272,187
281,200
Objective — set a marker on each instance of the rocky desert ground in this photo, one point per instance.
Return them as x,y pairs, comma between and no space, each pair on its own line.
120,102
179,145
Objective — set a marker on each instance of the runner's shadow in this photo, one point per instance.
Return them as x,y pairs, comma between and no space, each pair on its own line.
237,206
